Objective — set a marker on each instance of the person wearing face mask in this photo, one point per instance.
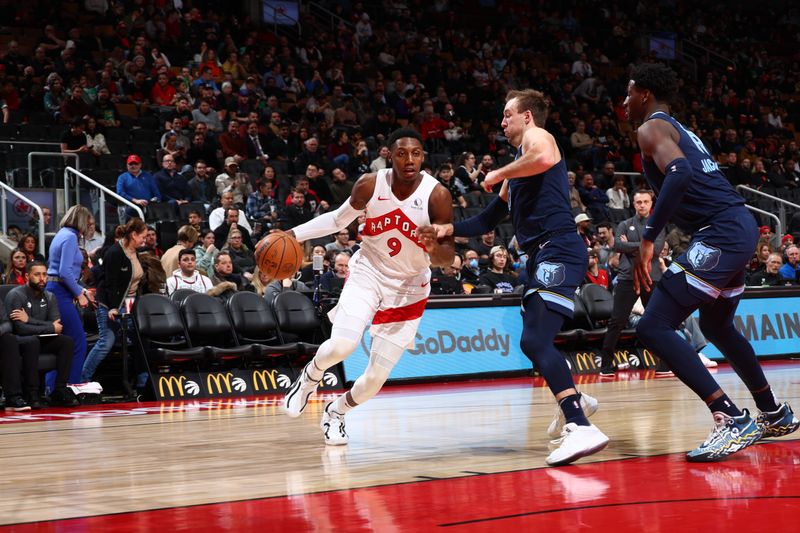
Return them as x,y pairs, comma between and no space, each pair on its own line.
471,270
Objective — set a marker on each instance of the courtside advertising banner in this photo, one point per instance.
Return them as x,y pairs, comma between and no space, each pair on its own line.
455,341
772,325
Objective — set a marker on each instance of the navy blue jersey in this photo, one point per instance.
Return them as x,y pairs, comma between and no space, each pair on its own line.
539,204
709,192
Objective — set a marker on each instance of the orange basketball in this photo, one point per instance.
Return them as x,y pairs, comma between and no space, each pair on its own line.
279,255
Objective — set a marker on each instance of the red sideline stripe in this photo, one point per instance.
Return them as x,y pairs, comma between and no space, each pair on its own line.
400,314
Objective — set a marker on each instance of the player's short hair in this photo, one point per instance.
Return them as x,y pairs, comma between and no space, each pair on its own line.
533,101
657,78
402,133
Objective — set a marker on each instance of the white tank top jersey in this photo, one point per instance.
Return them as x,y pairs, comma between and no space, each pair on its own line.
389,239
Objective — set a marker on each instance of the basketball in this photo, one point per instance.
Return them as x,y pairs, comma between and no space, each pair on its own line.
279,255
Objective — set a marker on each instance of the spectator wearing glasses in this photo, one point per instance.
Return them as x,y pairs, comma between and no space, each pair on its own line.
137,186
341,242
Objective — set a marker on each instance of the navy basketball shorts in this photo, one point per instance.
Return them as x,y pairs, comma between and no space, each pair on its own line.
713,265
555,269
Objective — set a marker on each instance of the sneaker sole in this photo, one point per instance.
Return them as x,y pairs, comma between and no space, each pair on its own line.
718,458
780,431
294,390
579,455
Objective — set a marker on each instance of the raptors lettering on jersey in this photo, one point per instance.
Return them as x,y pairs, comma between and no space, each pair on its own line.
394,220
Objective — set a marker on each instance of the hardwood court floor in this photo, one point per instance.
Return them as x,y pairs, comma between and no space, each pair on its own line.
464,456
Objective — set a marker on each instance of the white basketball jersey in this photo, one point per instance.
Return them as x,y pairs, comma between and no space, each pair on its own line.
389,239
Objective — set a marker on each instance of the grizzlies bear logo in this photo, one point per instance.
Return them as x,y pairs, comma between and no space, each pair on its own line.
550,274
702,256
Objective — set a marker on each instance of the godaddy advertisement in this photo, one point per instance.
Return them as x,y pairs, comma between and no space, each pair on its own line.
455,342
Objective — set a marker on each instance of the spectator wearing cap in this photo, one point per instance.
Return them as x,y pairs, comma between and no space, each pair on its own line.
206,78
583,224
136,186
231,180
232,144
244,104
786,241
207,115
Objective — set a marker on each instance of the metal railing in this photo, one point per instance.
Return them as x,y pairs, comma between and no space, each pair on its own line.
5,189
778,227
695,49
326,16
79,176
780,201
47,154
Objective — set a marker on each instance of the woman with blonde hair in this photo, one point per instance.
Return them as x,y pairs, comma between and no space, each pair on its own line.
63,272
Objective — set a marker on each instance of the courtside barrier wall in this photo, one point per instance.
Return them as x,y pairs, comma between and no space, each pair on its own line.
479,335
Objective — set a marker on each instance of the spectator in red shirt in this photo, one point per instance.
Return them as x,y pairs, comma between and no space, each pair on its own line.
163,93
233,144
595,274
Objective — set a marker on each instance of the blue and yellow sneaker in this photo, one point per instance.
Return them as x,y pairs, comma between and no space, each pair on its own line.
778,423
730,435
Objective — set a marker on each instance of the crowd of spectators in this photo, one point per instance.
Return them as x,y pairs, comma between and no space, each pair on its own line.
237,130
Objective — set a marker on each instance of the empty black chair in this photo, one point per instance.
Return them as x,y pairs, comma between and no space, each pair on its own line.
162,211
599,304
180,295
160,332
297,318
167,232
207,325
253,323
33,132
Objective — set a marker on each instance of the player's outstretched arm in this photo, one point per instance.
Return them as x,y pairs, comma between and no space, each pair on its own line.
333,221
440,208
539,154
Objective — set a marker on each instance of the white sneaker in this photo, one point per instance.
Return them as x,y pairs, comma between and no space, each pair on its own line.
708,363
295,401
589,406
333,428
576,442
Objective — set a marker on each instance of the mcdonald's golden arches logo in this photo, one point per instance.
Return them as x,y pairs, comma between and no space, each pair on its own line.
219,379
172,383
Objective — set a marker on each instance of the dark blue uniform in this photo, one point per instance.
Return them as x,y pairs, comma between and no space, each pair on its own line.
724,234
543,224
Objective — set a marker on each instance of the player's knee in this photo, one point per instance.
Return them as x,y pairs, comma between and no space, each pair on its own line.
713,329
342,347
648,329
534,342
